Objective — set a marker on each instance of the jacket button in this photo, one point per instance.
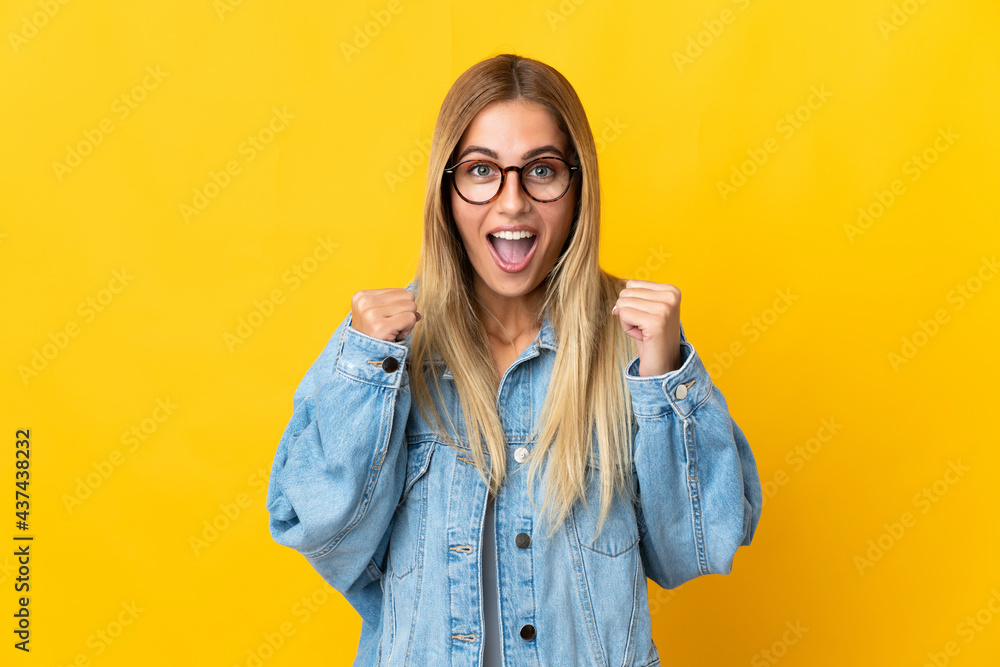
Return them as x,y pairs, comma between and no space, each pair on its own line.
527,632
521,454
390,365
522,540
681,392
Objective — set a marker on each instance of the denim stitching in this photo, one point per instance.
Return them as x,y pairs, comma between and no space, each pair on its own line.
591,622
605,553
635,604
373,383
695,496
418,564
417,474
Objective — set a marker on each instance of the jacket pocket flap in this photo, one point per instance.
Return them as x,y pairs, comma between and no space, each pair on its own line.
418,460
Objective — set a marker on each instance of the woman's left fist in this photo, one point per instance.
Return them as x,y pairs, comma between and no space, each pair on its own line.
651,313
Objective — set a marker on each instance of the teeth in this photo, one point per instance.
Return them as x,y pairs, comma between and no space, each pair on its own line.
513,236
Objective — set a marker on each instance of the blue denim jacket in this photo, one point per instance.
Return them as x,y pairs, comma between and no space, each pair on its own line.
393,518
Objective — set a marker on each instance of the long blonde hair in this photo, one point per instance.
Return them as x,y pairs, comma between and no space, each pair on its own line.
587,396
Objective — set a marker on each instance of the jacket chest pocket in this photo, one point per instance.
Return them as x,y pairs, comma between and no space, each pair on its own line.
620,532
406,540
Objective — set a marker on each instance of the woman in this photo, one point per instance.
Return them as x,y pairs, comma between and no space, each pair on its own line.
409,471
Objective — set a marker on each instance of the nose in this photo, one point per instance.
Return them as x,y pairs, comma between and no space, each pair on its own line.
513,199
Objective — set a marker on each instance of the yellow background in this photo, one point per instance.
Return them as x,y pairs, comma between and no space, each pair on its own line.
348,166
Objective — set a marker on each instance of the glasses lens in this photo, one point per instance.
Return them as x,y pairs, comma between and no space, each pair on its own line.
477,180
544,179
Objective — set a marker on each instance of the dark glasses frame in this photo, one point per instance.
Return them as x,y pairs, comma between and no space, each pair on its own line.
573,168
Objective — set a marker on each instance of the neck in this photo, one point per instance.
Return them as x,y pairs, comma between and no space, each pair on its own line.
507,319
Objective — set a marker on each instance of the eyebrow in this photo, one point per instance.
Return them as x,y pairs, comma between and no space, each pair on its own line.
527,156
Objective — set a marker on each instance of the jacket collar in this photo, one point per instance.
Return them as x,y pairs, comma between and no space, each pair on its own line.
546,338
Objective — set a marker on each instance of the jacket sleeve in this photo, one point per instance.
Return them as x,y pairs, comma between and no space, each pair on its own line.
698,487
339,469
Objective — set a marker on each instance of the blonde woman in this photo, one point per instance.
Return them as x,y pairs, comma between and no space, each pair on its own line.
490,462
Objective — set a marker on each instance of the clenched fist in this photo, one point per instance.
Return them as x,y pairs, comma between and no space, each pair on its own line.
387,314
651,313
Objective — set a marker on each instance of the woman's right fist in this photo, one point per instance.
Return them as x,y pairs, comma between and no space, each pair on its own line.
386,314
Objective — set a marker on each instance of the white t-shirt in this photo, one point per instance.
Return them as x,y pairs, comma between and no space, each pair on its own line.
491,604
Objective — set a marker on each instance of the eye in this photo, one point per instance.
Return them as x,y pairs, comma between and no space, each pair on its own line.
480,170
542,171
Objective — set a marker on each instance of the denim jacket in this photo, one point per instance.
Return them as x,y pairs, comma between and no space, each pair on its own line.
393,518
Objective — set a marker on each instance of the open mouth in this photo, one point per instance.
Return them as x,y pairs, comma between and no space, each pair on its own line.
512,251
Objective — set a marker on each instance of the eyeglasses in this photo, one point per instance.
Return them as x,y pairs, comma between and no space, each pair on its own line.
480,181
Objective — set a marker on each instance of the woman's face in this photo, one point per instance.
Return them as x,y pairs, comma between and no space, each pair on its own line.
511,133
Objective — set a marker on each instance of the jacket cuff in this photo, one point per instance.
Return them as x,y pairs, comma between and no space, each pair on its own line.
681,390
371,360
